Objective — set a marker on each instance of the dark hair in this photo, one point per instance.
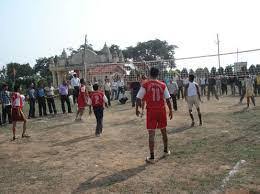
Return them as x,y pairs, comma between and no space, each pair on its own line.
154,72
95,87
16,88
82,81
191,77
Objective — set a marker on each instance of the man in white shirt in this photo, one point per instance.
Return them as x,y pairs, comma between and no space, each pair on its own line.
192,96
49,90
107,88
121,85
75,83
114,88
173,90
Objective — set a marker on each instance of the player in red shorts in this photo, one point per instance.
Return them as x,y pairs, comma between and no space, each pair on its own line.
155,92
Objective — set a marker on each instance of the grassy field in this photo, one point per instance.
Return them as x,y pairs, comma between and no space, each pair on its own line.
64,156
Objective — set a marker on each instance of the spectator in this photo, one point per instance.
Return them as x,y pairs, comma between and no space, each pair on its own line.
114,88
5,99
50,98
180,86
211,87
75,83
32,99
120,85
41,100
134,86
218,85
202,82
64,97
224,83
173,90
107,89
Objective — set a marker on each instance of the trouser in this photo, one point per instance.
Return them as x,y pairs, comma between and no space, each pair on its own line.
233,89
243,95
120,90
240,90
32,107
224,89
42,106
212,90
108,94
257,90
6,110
99,113
174,101
133,97
203,90
114,94
65,98
51,105
180,92
75,94
218,89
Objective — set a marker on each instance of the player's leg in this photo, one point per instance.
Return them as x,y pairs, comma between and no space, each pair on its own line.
248,101
166,151
14,128
253,99
24,125
151,145
190,104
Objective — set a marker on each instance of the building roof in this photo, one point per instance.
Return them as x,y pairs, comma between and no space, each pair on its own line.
106,69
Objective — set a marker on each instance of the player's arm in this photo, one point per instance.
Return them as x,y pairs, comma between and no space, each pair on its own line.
139,98
168,97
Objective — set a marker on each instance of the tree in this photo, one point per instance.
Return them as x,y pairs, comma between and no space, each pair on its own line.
184,72
229,70
206,71
191,72
258,69
213,71
114,48
42,67
150,50
221,71
18,70
199,72
252,70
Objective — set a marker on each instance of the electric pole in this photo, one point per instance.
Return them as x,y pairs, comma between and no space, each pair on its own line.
218,52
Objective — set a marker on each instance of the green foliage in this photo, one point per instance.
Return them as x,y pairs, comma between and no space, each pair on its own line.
199,72
184,72
150,50
221,71
229,70
114,48
42,68
252,69
213,71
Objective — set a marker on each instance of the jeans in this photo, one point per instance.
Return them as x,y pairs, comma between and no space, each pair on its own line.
6,110
108,93
133,97
75,94
120,90
180,92
65,98
212,90
174,101
99,113
114,94
203,90
32,107
42,106
51,105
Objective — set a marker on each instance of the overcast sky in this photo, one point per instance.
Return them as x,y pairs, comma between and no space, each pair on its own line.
37,28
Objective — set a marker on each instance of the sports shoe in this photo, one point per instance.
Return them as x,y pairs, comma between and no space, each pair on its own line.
149,160
192,124
165,154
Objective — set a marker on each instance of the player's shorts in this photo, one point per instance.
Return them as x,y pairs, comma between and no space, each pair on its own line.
156,119
192,100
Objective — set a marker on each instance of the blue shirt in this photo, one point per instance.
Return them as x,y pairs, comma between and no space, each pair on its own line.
31,93
41,92
5,97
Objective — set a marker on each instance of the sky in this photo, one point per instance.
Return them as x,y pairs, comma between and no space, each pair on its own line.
41,28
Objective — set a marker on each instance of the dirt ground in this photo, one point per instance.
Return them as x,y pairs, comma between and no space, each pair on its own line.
64,156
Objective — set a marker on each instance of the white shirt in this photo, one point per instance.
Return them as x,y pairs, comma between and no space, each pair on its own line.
75,81
142,92
202,81
107,86
192,89
114,85
185,81
120,83
49,91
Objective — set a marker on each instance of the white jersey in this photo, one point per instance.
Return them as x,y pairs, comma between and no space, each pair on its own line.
192,89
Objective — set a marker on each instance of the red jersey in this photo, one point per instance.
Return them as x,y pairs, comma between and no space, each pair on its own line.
17,100
154,95
97,98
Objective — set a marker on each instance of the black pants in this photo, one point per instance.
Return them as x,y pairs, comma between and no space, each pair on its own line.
75,94
42,106
174,101
203,90
180,92
108,94
243,95
32,107
212,90
99,113
257,90
6,110
133,97
51,105
224,89
65,98
120,90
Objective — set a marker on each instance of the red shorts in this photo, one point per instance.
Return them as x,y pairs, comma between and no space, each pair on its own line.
156,119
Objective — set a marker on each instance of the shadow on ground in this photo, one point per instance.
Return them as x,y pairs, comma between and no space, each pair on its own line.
75,140
179,129
110,179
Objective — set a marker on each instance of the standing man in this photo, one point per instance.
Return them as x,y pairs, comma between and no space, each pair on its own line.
218,85
50,98
173,90
32,100
5,99
203,86
212,87
64,97
134,86
114,90
41,100
107,88
121,85
154,92
192,96
224,83
180,86
75,83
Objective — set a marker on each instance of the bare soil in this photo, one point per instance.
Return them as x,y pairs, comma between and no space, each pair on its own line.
64,156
